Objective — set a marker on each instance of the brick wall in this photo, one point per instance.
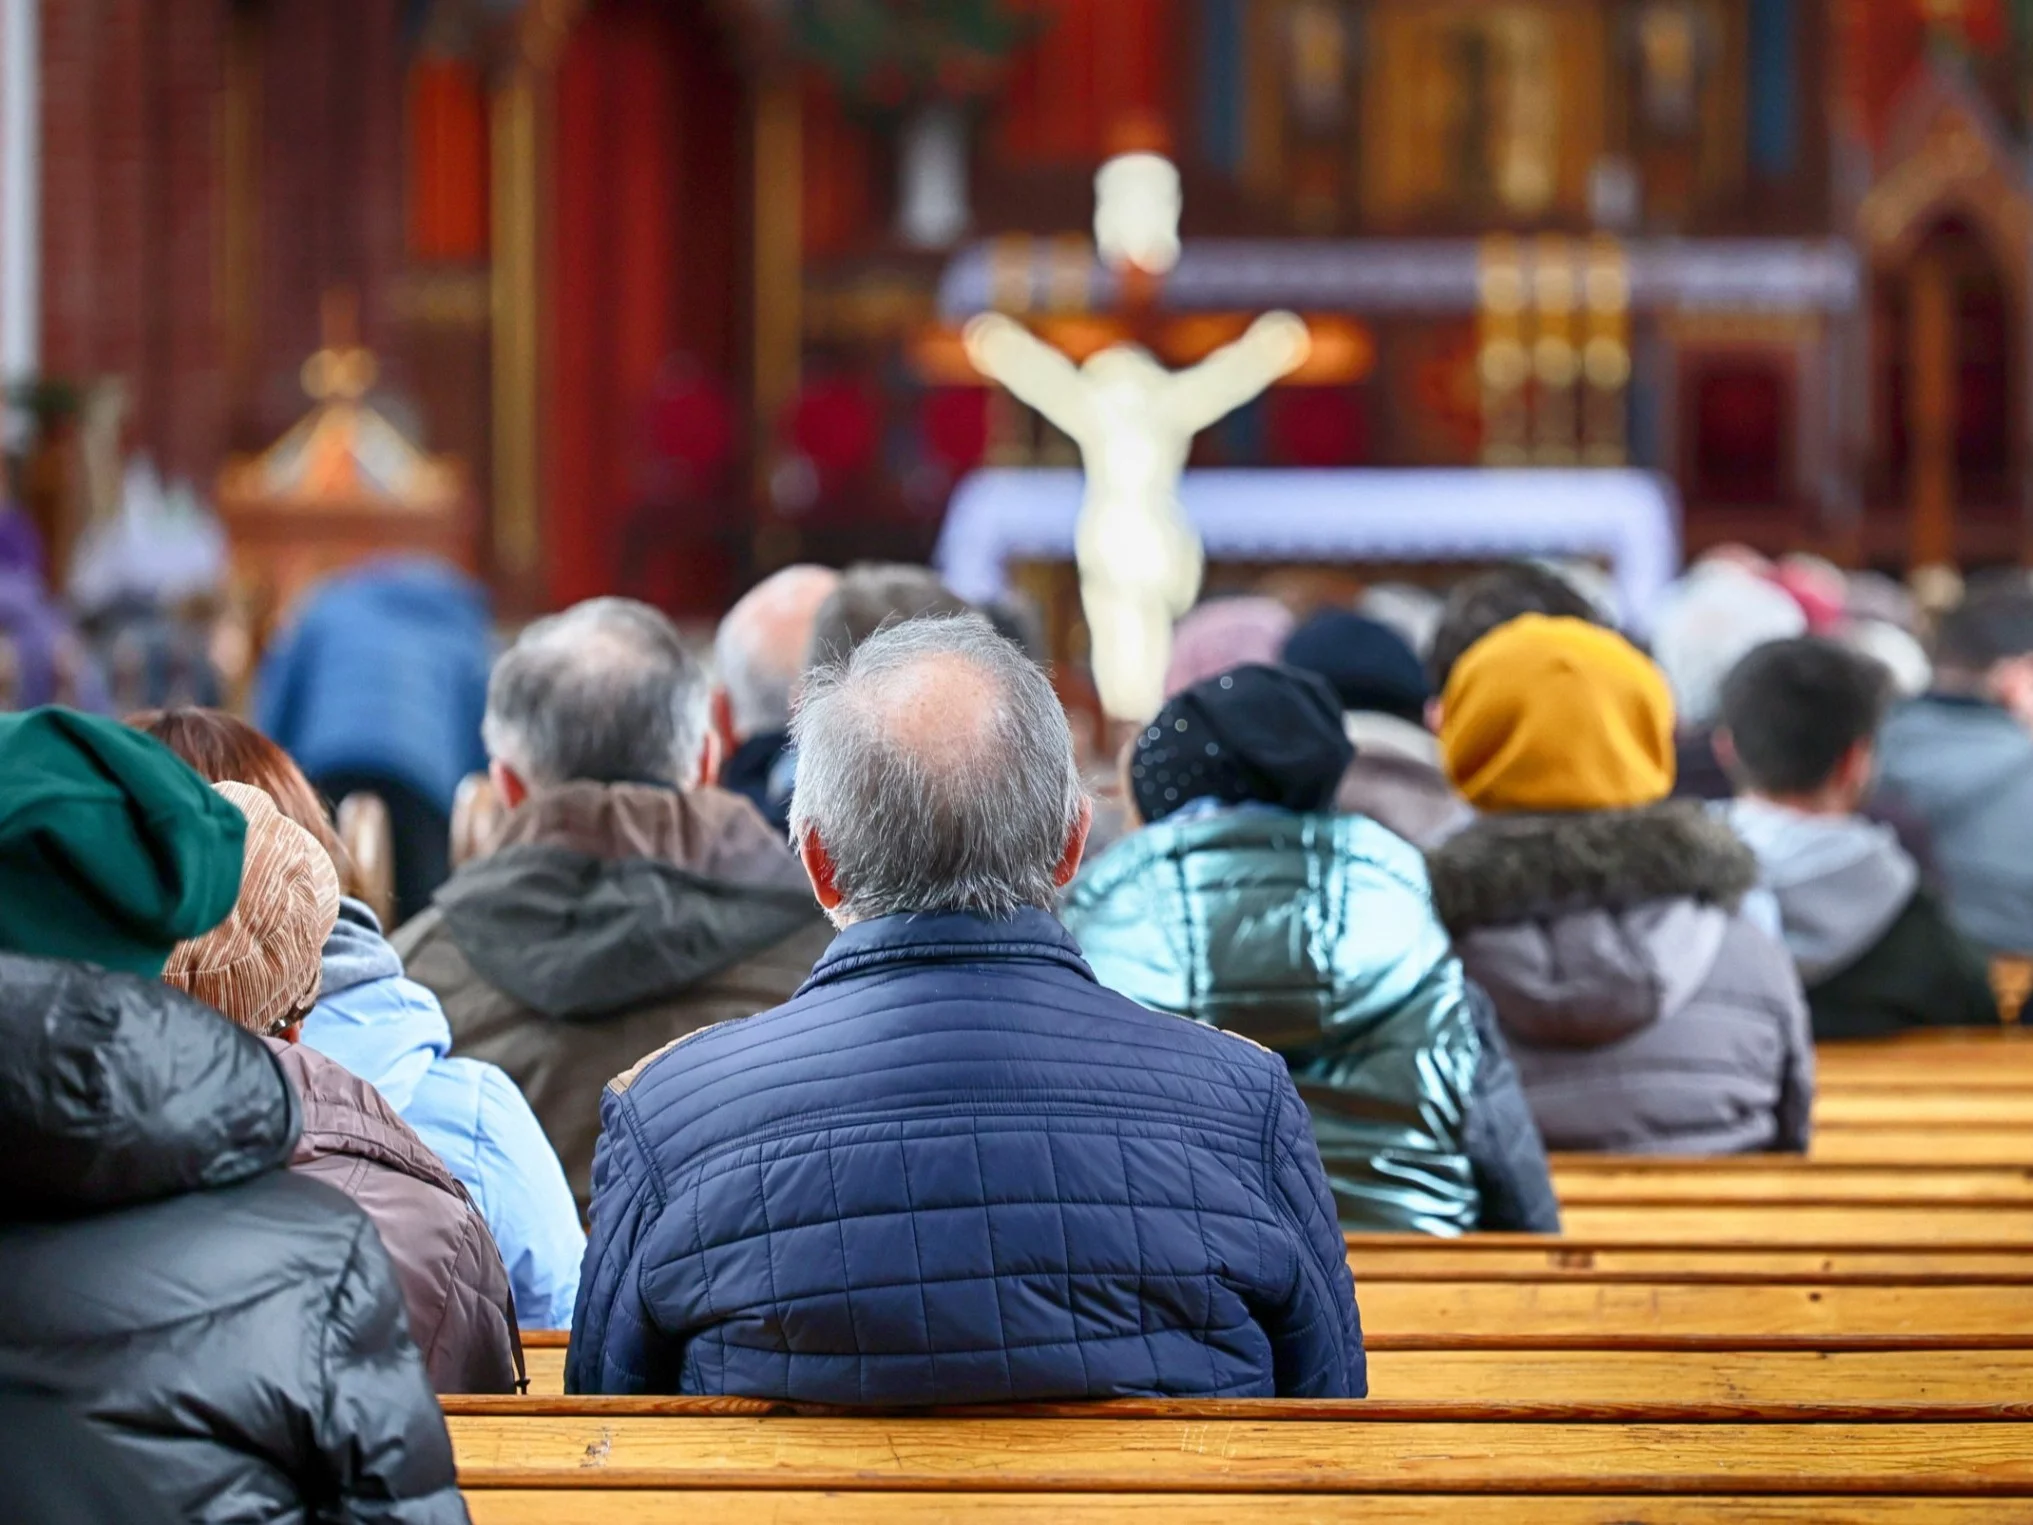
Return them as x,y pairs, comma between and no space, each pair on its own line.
130,212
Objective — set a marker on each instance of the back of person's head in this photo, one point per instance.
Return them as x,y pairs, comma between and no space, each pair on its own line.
1479,604
1370,666
1991,626
1708,622
603,693
1224,633
1794,711
112,850
1257,734
1556,714
759,650
263,965
936,772
226,749
870,596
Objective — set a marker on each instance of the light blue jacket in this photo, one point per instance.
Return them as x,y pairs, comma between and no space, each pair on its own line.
391,1032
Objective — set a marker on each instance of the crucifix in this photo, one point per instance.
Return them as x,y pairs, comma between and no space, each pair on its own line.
1140,560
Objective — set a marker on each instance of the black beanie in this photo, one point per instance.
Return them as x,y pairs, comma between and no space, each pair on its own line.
1258,733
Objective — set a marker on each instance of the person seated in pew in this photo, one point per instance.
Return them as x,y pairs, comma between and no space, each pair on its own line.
627,901
1244,903
758,657
260,967
1960,757
233,1329
391,1032
1799,720
955,1168
1646,1011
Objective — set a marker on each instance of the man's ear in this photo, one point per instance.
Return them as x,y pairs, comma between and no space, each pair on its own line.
1724,746
712,757
1076,846
820,870
720,720
509,787
1436,715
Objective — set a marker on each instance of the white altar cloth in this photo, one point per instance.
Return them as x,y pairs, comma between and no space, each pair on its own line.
1629,520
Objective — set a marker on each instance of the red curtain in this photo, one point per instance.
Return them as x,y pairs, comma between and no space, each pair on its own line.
1094,66
648,272
447,160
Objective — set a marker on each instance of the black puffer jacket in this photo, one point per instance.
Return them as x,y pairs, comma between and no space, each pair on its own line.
234,1329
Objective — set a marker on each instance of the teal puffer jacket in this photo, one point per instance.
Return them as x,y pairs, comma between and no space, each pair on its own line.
1315,936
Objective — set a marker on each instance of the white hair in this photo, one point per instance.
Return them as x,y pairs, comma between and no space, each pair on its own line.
605,691
1712,619
759,649
973,817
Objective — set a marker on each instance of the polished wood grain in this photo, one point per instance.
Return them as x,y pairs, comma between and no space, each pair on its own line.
1241,1456
801,1507
1581,1182
1939,1376
1782,1223
1890,1145
1959,1107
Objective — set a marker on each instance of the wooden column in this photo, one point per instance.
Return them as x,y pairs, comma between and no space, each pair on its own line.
513,133
1931,420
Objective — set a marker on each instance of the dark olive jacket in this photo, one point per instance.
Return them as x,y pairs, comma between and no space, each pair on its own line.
235,1330
612,919
1314,935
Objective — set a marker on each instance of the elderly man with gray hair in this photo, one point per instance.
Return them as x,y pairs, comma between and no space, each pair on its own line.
628,902
759,655
953,1168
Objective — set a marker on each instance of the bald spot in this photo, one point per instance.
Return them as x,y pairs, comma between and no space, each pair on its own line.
762,640
940,709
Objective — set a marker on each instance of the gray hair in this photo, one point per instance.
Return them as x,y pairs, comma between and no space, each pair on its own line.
604,692
870,596
974,816
759,649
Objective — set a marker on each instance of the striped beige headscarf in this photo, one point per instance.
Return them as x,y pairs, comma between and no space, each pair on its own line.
264,964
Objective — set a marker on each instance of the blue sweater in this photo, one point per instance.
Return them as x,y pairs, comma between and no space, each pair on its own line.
392,1033
954,1169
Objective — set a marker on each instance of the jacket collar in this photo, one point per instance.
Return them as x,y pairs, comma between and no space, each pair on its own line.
925,939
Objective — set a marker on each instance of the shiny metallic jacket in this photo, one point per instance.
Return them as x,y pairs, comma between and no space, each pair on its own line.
1315,936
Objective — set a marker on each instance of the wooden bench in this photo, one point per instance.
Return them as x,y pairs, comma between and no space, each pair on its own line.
1944,1374
1581,1179
1158,1453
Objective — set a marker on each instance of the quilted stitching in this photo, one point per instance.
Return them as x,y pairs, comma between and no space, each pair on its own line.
954,1169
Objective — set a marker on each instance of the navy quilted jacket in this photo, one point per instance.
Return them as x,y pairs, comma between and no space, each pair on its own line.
955,1169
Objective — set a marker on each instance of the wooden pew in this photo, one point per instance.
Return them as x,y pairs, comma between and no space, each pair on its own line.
794,1507
1783,1223
1932,1107
1281,1451
1943,1374
1580,1179
1882,1145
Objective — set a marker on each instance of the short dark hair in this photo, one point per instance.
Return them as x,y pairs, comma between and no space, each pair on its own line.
1794,709
1990,626
1481,603
870,595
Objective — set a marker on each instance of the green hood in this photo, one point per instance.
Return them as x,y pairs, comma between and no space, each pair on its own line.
1315,936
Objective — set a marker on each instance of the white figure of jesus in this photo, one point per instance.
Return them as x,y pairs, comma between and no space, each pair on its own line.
1134,421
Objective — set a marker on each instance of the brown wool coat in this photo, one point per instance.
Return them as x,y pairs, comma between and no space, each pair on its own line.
611,920
461,1313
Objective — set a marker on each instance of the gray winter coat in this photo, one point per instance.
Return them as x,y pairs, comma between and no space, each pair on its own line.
1646,1014
1966,768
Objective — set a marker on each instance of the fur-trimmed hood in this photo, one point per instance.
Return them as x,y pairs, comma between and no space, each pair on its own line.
1587,928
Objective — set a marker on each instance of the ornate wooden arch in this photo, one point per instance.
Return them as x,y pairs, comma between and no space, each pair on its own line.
1946,158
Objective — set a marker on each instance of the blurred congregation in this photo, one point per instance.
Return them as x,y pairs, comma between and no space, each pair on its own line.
870,708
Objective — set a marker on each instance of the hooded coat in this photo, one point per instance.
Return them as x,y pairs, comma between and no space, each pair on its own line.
1647,1014
611,919
1314,935
235,1329
1965,767
453,1285
392,1033
1871,943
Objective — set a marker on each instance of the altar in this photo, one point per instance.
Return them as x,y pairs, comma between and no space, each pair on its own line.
1628,521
